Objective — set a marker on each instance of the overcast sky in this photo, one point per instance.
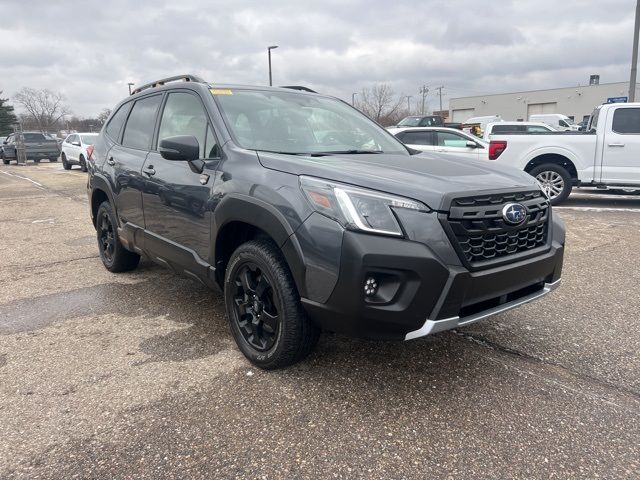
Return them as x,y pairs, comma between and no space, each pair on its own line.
89,49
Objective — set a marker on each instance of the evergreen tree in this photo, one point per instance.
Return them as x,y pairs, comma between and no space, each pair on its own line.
7,117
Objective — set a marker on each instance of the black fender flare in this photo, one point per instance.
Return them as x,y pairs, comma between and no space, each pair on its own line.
98,182
260,214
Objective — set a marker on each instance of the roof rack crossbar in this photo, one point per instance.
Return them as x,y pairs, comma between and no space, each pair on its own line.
184,78
298,87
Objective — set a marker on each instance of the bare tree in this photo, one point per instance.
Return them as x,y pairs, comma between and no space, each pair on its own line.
103,115
46,108
381,104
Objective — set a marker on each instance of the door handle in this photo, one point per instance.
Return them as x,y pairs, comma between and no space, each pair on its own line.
616,144
149,170
111,161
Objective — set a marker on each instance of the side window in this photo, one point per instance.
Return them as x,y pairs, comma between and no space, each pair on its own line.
417,138
115,124
447,139
142,120
184,115
537,129
625,120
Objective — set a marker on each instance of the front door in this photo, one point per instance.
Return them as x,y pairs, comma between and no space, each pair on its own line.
621,149
451,144
176,195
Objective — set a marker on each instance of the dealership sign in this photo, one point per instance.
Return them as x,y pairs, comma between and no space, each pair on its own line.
617,100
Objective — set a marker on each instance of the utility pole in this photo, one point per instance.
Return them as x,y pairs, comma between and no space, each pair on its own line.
269,54
424,90
634,56
440,92
409,103
130,85
353,99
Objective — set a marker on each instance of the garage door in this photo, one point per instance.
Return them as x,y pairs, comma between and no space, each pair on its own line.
460,115
539,108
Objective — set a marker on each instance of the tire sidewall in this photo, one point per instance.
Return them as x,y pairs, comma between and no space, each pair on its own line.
238,260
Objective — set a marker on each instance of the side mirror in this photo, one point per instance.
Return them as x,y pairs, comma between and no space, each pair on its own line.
180,147
472,144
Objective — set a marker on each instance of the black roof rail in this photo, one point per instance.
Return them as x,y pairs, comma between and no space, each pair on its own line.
298,87
184,78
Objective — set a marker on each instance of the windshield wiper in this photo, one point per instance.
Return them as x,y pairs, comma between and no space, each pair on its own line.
345,152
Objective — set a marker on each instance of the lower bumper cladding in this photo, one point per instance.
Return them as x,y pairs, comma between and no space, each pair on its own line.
435,326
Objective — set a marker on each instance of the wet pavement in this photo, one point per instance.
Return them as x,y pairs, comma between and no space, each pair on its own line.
136,375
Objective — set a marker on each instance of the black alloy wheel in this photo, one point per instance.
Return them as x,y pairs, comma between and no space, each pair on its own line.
106,237
256,313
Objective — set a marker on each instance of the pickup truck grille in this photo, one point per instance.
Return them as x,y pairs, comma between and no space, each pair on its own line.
483,238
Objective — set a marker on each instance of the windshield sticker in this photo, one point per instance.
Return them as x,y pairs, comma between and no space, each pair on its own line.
221,91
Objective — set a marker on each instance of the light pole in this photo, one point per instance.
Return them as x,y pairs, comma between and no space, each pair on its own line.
269,55
634,58
353,96
130,85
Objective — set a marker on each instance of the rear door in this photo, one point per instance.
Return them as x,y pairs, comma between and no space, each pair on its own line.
423,140
127,158
176,195
621,149
451,144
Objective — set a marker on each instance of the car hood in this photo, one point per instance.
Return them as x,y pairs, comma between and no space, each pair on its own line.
424,177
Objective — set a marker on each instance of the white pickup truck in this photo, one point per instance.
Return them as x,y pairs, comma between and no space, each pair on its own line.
607,154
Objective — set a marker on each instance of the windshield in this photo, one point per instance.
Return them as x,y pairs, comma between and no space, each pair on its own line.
409,122
568,121
88,139
297,123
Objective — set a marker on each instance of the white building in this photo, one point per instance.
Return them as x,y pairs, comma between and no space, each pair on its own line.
575,102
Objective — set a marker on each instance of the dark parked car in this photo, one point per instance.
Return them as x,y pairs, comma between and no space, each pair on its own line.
421,121
37,147
310,216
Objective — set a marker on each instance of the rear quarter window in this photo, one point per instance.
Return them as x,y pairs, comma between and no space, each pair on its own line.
626,120
117,120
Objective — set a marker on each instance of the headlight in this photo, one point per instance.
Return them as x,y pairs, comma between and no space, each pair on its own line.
357,208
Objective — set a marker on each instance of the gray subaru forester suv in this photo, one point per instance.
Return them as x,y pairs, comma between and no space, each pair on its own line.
310,216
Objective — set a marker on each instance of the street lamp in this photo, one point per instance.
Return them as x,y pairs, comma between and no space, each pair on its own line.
131,84
353,98
269,54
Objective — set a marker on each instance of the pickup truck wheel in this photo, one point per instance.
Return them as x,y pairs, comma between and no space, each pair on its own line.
65,164
6,161
555,181
114,256
266,317
83,163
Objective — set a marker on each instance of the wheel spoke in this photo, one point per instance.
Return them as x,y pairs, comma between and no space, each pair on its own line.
270,322
262,286
247,281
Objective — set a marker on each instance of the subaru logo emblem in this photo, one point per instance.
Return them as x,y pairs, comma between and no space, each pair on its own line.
514,213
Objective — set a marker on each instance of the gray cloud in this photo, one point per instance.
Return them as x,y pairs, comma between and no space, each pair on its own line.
90,50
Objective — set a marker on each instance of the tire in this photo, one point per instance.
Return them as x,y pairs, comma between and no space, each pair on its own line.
114,256
555,181
6,161
65,164
83,163
266,317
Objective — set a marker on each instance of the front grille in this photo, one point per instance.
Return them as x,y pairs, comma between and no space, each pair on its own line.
481,236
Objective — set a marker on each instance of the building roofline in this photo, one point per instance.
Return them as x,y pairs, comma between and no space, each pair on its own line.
543,90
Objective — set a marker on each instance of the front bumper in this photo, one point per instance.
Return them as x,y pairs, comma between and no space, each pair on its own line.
420,292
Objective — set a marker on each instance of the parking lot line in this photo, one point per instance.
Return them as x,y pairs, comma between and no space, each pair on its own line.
599,209
23,178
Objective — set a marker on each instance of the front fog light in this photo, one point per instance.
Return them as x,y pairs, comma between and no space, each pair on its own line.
370,287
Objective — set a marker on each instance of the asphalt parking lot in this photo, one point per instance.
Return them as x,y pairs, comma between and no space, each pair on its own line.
137,376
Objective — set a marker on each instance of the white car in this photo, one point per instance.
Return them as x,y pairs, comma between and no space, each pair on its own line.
442,141
74,150
556,120
515,127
